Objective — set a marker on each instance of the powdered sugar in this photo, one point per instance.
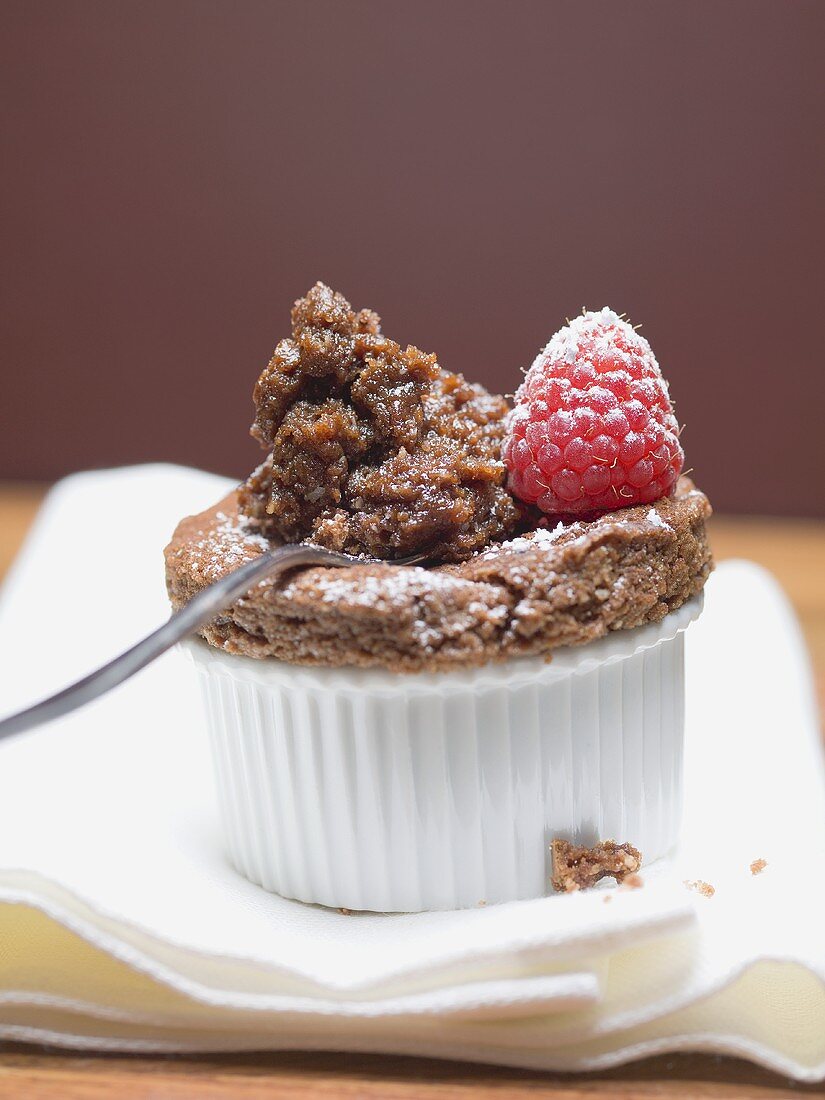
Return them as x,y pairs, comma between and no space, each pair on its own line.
545,538
231,542
655,518
430,635
358,588
542,538
594,329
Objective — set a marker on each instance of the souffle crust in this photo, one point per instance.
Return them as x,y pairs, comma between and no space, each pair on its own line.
560,585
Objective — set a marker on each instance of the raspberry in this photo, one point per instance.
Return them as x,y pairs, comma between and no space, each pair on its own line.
593,427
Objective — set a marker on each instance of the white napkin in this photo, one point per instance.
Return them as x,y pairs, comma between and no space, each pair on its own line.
123,926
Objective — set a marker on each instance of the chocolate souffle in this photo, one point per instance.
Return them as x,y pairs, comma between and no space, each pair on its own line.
377,450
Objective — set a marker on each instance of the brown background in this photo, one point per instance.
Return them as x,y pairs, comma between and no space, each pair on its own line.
176,173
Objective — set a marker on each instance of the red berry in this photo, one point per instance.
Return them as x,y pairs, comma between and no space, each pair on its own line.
593,428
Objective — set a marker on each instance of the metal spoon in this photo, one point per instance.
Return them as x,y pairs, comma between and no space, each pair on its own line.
201,609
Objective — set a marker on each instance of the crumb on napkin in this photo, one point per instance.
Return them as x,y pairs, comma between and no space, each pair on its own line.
758,866
700,886
633,881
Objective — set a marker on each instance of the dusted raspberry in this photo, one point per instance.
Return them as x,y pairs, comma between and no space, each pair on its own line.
593,428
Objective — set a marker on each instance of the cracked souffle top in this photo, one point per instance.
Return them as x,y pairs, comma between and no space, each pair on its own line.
373,448
377,449
551,587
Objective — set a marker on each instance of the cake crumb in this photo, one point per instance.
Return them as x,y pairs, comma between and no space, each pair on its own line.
481,904
758,866
576,867
607,898
633,881
701,887
345,912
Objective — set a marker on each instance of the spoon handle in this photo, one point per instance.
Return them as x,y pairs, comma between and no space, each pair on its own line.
201,609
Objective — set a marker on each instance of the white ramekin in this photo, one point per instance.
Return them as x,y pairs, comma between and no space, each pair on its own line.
395,793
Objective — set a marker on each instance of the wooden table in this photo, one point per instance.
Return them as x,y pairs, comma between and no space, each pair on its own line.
794,550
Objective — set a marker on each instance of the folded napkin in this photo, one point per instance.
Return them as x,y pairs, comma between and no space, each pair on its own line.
123,926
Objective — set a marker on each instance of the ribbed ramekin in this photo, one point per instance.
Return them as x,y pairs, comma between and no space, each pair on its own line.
396,793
